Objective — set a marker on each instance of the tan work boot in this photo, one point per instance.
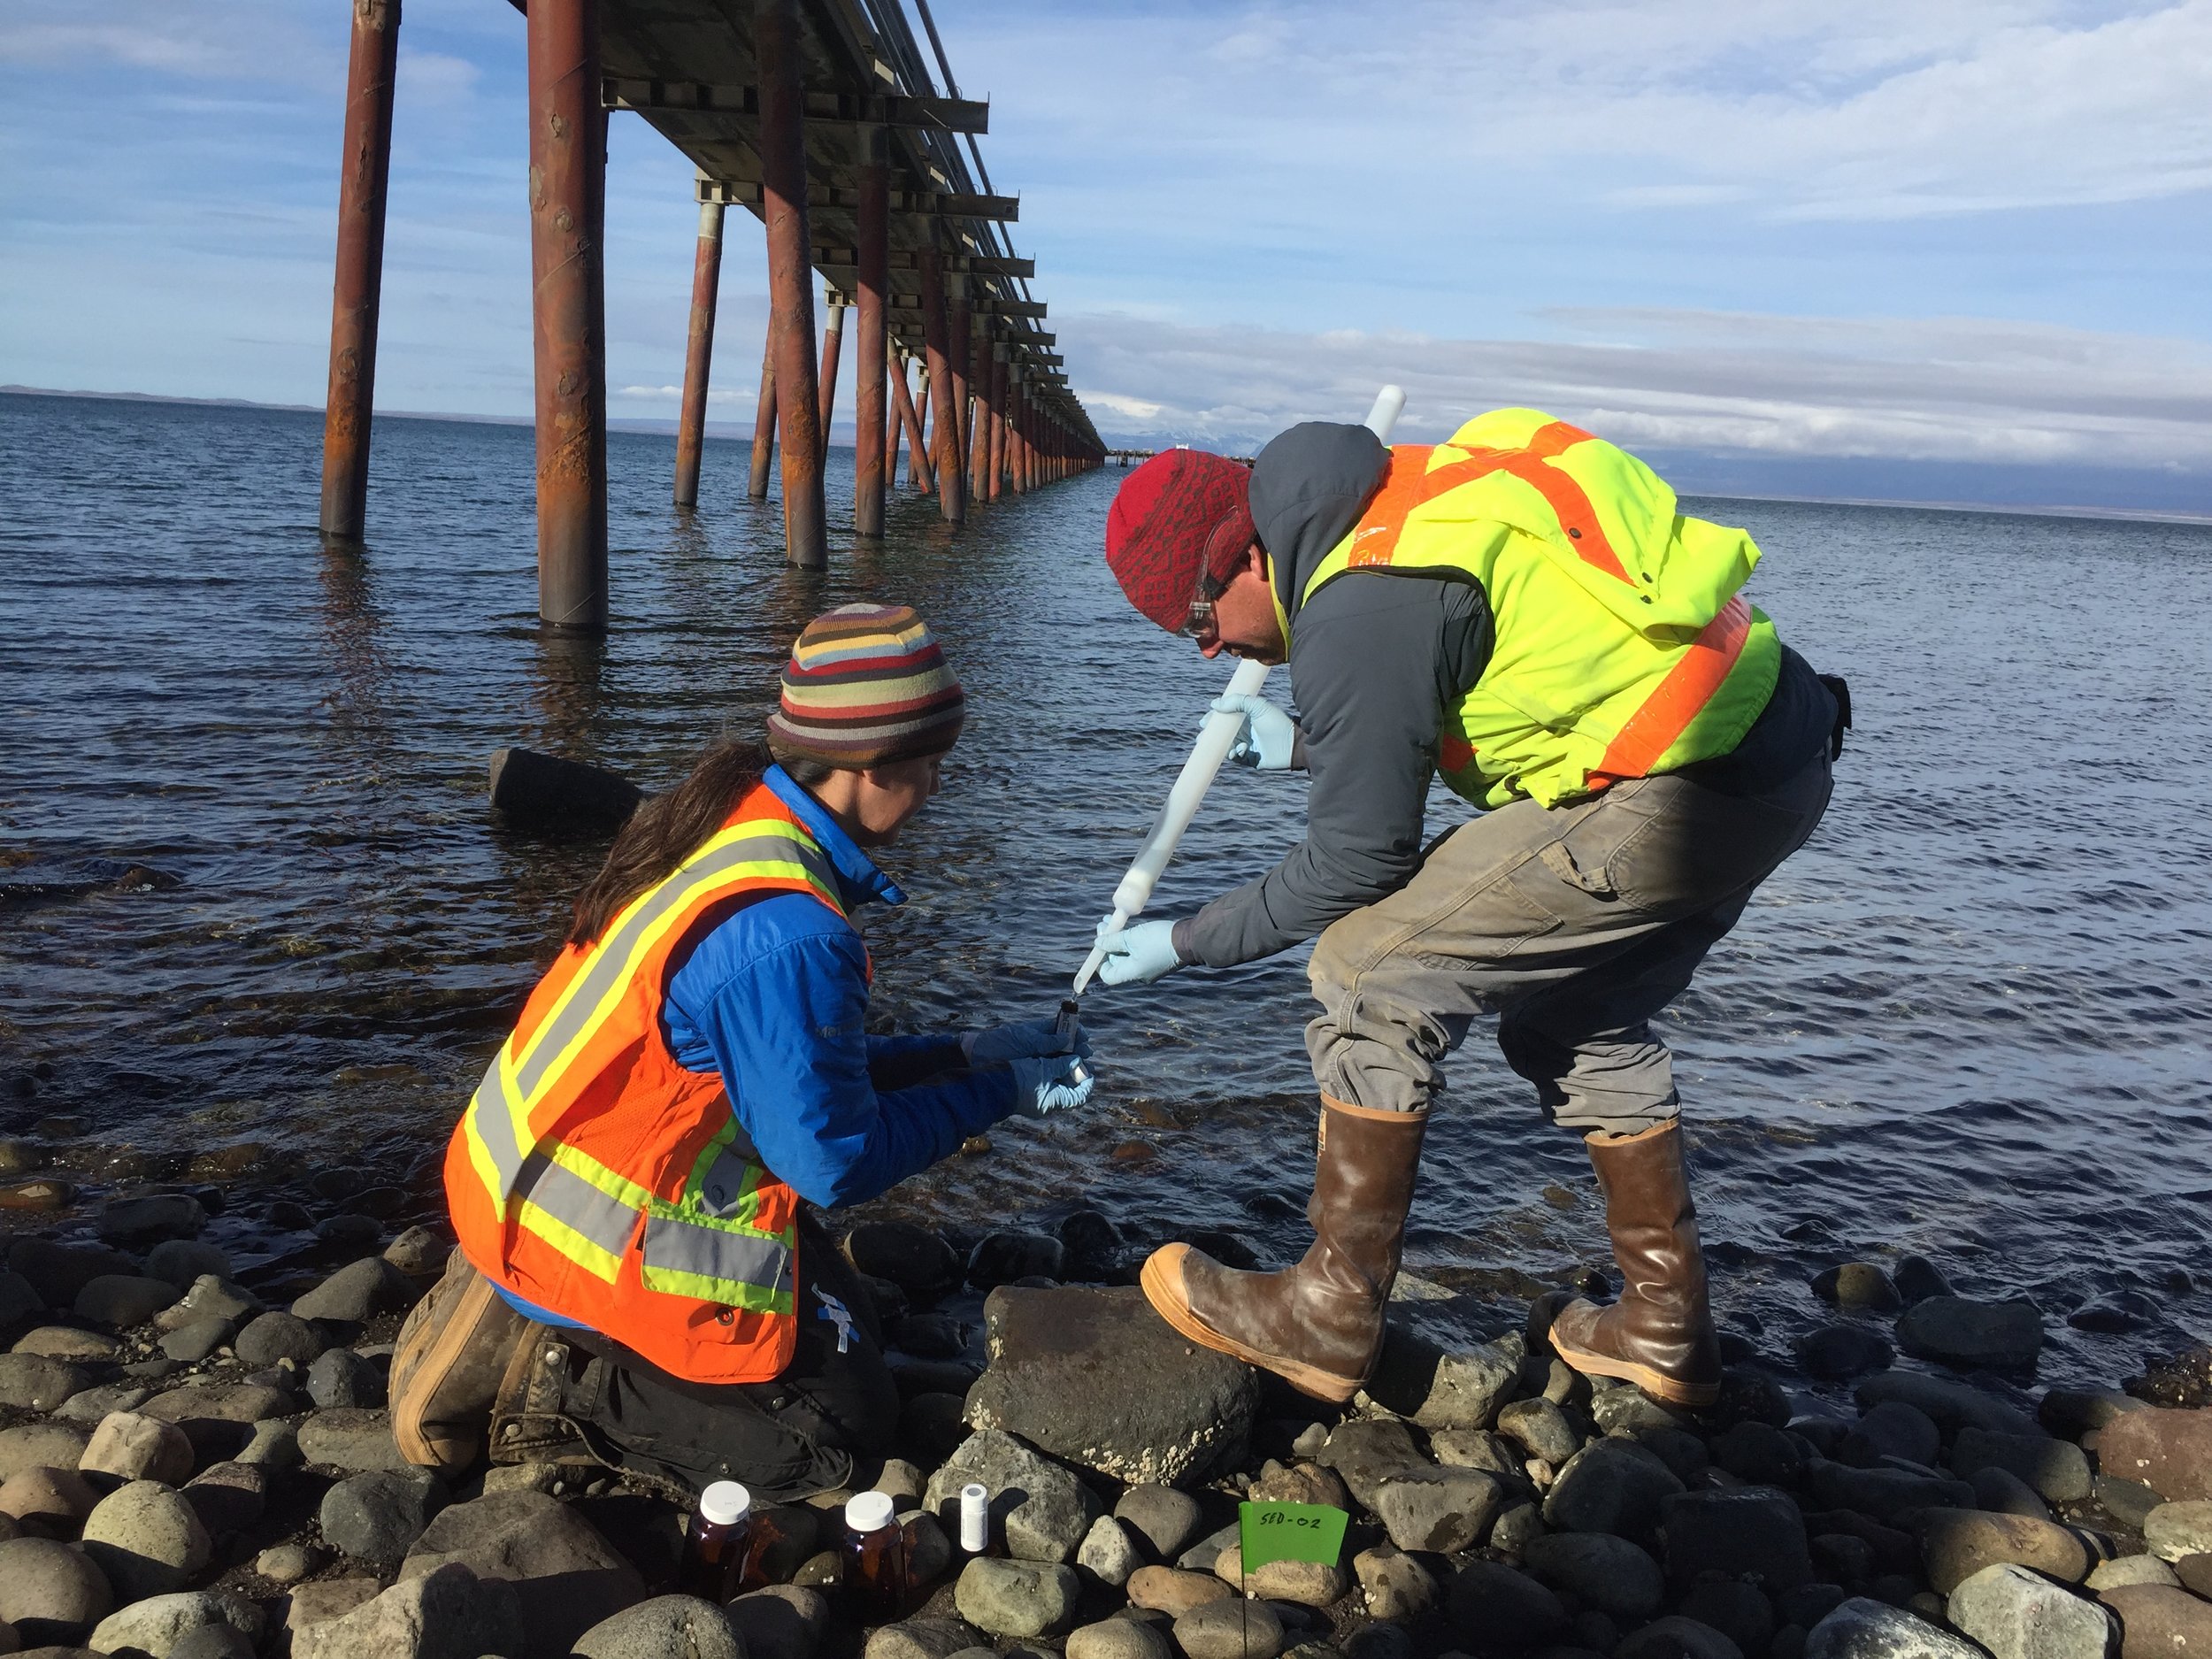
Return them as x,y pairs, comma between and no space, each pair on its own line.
1319,1324
1659,1335
452,1351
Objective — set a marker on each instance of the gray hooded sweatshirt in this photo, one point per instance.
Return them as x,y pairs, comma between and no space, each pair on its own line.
1376,658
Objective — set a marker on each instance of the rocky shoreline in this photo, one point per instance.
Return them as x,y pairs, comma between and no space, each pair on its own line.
192,1468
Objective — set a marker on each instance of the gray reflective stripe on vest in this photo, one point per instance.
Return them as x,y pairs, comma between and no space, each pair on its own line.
495,1127
684,1246
611,958
597,1217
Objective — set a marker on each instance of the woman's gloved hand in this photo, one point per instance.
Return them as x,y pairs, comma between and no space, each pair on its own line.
1139,955
1049,1083
1022,1039
1268,738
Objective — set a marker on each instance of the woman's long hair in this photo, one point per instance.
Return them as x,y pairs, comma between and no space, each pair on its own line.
666,829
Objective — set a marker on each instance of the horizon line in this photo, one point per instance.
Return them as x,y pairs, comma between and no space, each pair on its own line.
641,426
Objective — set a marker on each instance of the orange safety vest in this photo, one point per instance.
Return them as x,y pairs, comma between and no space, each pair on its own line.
594,1176
1622,645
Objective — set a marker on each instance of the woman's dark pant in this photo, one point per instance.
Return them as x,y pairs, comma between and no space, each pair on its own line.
798,1434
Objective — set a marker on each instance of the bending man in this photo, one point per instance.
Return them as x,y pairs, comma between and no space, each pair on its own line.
1522,610
637,1282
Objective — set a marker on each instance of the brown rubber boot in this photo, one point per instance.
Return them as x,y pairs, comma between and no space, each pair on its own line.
531,1420
1319,1324
1659,1335
452,1351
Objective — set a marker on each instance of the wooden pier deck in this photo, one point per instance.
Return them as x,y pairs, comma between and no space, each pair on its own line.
829,122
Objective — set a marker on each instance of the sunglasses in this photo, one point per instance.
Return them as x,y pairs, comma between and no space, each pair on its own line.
1198,621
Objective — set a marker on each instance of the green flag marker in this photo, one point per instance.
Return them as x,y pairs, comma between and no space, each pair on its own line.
1290,1531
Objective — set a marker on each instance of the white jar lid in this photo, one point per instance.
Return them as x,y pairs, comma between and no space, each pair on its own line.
725,1502
868,1511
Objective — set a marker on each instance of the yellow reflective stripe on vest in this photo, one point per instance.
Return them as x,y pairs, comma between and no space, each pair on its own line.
500,1138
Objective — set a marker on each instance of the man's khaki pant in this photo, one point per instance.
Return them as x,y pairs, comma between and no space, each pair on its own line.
1573,926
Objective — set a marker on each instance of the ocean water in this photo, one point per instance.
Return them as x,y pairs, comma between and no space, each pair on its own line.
1970,1020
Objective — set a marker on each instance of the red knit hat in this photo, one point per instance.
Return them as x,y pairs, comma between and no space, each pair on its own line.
1181,515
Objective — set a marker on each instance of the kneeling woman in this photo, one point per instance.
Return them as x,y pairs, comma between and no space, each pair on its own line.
638,1282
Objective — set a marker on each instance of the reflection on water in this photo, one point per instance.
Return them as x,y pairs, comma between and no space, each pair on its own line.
1969,1020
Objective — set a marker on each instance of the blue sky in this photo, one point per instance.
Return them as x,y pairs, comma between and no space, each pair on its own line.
1856,235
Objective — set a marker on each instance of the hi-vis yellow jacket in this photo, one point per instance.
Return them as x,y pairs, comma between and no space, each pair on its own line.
1623,647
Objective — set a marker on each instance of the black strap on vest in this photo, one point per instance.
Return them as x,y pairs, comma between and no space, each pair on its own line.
1839,688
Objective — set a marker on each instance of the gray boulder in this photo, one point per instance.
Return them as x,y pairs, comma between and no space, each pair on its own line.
1367,1451
350,1439
209,1297
1884,1494
1608,1573
1095,1378
1540,1429
1438,1387
1445,1510
447,1613
1863,1629
54,1502
147,1539
1676,1637
1041,1510
2166,1449
375,1517
2057,1469
1017,1598
37,1382
666,1627
273,1337
1107,1552
48,1445
1610,1486
1891,1429
341,1380
129,1446
571,1577
1231,1630
1163,1517
1953,1405
1736,1532
157,1625
182,1261
121,1300
1956,1544
2174,1531
1971,1335
141,1221
358,1292
1493,1606
51,1593
919,1638
2159,1622
1117,1639
228,1496
783,1621
2021,1614
1396,1586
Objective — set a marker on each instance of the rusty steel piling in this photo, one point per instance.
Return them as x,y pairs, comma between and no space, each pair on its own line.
871,221
568,194
363,180
777,54
764,422
944,427
691,422
911,423
833,340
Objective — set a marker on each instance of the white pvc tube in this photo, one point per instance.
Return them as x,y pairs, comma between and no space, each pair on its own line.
1206,755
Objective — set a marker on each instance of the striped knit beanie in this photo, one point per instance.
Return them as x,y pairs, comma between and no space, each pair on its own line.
866,685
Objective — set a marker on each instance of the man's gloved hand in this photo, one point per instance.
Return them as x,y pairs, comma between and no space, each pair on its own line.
1268,738
1047,1083
1023,1039
1139,955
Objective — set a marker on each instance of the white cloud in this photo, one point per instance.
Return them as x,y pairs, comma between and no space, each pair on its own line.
1921,390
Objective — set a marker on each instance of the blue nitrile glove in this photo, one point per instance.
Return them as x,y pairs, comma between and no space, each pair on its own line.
1023,1039
1268,738
1047,1083
1139,955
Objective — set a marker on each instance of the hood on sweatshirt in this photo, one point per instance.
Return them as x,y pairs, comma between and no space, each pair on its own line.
1309,488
